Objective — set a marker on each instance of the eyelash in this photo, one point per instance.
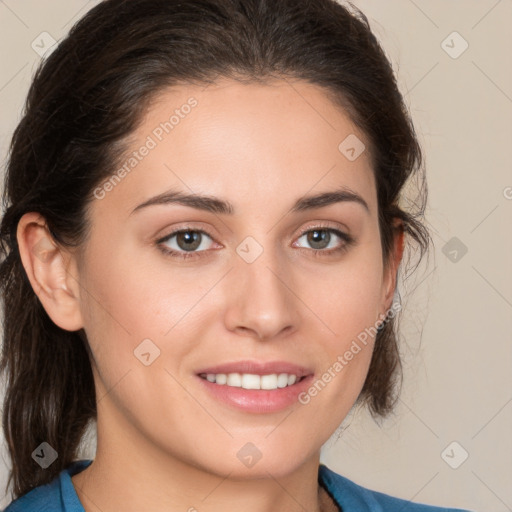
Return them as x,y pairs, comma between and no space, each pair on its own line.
348,241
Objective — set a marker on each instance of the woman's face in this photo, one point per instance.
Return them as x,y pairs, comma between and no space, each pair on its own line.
273,282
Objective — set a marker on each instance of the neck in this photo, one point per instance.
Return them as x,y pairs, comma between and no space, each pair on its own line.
146,478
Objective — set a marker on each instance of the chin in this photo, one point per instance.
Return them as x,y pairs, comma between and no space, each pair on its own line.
246,460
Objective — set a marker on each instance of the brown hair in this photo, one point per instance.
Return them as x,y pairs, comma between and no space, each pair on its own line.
91,93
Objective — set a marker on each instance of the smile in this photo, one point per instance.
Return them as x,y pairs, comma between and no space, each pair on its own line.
255,386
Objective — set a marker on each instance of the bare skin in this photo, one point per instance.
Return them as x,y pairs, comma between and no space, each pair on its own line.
164,443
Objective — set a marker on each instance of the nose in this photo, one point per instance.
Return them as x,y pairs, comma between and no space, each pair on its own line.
261,302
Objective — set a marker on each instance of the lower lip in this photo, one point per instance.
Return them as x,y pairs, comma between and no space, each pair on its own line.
257,400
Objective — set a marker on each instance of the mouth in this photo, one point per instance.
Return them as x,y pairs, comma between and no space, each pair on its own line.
256,387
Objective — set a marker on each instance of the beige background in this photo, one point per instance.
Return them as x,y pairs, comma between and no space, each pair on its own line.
458,376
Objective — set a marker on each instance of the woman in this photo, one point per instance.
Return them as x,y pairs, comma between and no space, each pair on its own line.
201,246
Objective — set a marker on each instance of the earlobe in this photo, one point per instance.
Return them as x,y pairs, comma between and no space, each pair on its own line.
49,270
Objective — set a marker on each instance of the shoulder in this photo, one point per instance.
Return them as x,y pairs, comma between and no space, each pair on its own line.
352,497
57,496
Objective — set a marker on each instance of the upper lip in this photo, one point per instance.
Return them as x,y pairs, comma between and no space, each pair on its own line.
258,368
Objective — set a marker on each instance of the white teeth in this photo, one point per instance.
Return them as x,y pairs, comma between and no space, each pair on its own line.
235,380
268,381
252,381
220,378
282,380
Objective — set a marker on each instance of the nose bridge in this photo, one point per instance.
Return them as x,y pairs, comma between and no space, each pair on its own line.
260,300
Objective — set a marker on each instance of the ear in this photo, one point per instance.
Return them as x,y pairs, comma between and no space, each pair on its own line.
51,271
391,272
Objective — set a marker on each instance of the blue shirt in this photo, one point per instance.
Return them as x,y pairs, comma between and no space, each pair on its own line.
60,495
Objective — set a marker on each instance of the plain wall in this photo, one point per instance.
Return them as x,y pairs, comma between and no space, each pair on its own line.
457,324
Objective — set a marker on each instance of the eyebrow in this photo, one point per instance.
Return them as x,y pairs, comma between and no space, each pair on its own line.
221,206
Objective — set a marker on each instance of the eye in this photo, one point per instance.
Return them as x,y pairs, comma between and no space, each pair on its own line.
325,240
184,243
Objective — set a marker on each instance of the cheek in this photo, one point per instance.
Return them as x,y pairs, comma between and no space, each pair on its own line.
348,299
121,291
348,302
129,299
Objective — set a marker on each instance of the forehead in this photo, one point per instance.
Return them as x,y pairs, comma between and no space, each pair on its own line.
251,142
